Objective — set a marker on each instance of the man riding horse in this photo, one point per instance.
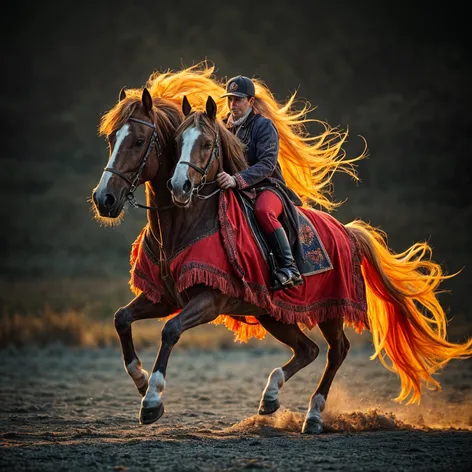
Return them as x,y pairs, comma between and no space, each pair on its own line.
407,322
264,176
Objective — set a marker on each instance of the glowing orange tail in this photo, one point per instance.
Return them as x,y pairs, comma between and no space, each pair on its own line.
398,287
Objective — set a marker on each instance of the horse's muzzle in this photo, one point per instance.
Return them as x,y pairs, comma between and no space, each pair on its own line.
181,194
107,204
181,201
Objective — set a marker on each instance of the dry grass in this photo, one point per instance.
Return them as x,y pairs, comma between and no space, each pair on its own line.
97,297
79,312
74,328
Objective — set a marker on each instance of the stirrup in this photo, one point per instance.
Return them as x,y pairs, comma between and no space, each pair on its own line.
296,277
281,281
287,278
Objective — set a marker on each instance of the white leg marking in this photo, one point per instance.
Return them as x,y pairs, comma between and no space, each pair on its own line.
317,405
120,136
189,137
153,395
274,384
137,373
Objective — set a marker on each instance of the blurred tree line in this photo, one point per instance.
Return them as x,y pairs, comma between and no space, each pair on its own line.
400,77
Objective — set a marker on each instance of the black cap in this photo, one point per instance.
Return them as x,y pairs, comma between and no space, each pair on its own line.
240,86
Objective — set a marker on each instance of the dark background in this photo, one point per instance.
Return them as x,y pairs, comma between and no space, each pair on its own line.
398,75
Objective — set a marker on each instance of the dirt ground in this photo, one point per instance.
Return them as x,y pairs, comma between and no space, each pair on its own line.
76,409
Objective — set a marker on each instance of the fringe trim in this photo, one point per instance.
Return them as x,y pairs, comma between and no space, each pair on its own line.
226,231
139,283
208,276
326,310
136,246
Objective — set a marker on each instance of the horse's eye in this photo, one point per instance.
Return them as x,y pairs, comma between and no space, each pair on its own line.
139,142
208,145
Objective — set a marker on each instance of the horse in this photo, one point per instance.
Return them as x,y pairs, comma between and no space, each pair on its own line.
141,134
399,287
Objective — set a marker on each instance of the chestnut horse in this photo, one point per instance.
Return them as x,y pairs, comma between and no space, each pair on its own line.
141,134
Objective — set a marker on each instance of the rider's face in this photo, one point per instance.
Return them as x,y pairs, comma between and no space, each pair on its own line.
239,106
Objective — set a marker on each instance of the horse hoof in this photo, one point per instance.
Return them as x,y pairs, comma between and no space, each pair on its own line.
150,415
312,427
268,406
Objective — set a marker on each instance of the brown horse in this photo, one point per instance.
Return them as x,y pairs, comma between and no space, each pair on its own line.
141,132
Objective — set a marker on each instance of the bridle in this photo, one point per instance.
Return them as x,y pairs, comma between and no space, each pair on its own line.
134,182
204,172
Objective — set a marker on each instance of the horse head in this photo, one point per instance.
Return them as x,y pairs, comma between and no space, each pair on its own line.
198,147
202,142
135,144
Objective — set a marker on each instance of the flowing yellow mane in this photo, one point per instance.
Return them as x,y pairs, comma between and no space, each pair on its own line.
196,83
308,162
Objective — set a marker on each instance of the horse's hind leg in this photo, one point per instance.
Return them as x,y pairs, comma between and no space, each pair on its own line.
203,307
304,351
338,347
138,309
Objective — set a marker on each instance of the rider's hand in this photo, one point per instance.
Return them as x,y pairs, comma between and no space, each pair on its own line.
225,181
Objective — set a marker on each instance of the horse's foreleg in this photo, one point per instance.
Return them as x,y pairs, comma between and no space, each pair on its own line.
304,351
202,308
338,347
138,309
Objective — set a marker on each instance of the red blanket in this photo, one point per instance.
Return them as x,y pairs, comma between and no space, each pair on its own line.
230,261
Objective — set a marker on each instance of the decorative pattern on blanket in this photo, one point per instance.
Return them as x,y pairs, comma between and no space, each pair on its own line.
316,258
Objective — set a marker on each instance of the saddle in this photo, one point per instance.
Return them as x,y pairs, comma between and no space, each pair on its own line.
308,250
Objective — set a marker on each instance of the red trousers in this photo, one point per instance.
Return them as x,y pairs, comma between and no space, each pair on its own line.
267,209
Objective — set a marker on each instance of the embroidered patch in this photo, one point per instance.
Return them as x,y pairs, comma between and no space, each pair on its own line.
316,259
233,86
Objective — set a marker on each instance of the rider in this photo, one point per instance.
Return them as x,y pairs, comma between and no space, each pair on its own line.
259,135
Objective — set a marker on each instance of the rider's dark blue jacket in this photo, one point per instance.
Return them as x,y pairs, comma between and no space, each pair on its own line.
259,135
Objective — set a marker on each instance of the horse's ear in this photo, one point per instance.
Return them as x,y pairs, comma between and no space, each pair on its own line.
211,108
147,100
122,95
186,107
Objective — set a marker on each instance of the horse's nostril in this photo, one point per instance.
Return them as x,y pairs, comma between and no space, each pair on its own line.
187,186
109,200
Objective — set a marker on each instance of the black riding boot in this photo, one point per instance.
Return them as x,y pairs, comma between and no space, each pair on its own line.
287,274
